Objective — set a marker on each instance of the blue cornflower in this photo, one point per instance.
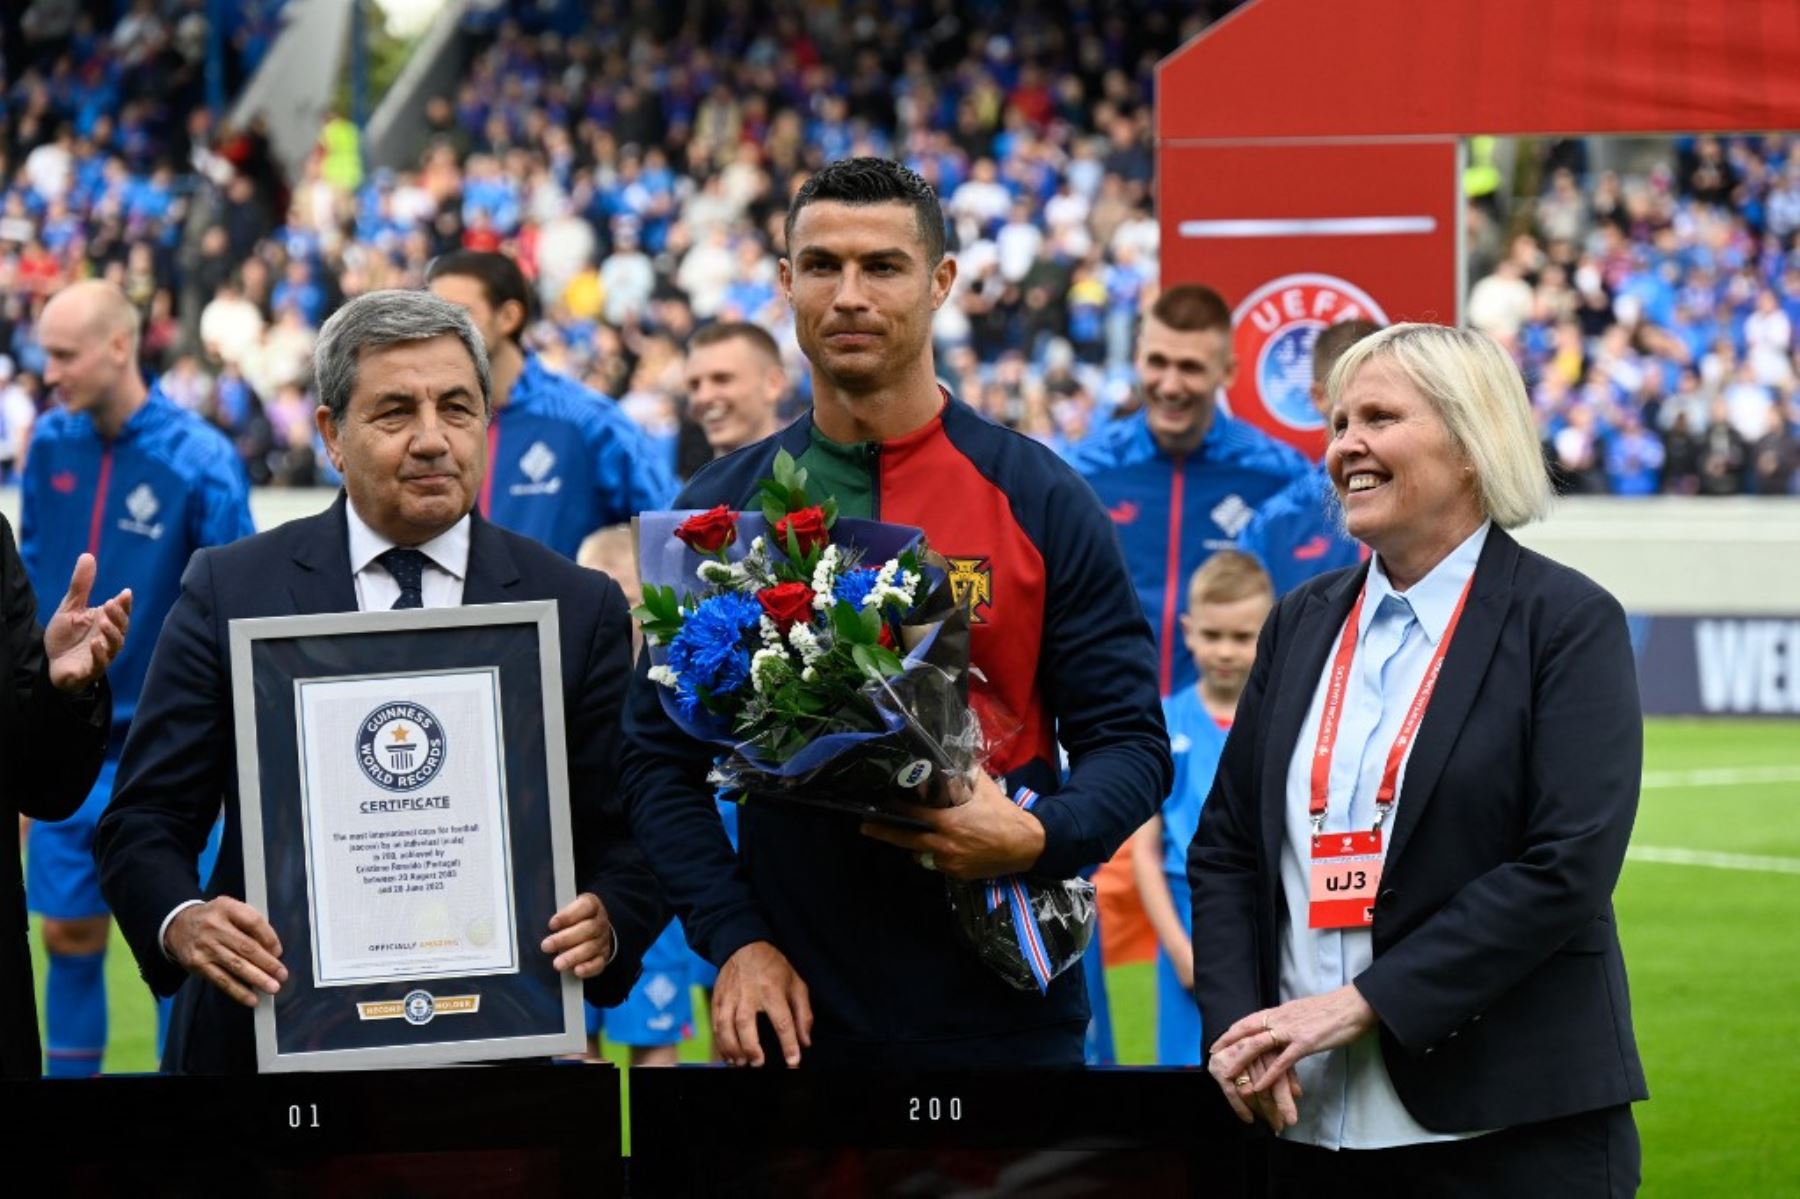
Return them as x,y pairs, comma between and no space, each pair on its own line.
712,650
853,586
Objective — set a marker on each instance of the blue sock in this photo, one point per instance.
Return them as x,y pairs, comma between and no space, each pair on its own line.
75,1015
164,1005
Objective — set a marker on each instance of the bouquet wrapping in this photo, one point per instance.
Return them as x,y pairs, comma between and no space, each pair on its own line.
827,660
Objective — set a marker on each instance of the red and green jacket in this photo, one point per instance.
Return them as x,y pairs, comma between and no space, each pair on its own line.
1069,660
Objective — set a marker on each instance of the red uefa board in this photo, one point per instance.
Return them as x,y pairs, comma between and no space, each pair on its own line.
1297,235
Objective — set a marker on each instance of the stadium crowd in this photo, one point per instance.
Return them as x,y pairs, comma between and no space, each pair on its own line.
638,173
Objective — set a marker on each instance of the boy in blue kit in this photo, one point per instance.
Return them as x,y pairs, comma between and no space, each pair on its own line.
563,461
120,471
1228,600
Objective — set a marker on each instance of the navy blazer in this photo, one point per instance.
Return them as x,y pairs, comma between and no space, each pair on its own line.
180,760
51,747
1497,974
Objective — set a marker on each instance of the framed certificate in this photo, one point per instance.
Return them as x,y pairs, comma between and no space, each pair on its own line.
405,804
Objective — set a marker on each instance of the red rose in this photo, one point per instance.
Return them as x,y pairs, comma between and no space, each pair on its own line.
709,532
808,527
886,641
787,604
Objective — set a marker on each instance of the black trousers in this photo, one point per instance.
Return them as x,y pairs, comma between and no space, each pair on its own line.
1593,1155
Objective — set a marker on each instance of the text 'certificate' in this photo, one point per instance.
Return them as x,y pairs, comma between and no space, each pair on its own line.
406,827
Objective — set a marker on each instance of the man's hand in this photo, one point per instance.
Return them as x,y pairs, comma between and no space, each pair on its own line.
229,944
758,978
984,836
582,937
80,642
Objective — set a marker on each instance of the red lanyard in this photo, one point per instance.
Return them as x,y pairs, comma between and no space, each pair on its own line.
1334,711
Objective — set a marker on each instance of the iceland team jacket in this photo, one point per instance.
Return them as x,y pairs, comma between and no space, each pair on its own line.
142,503
563,461
1296,535
1058,633
1172,513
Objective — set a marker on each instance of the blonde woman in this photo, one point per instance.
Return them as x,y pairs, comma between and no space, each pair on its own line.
1403,930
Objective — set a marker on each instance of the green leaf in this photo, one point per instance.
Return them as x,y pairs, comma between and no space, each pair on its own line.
889,662
865,659
871,625
793,546
784,468
773,511
846,623
830,507
797,498
773,490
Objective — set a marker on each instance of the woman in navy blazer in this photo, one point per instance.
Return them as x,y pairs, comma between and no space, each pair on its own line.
1403,929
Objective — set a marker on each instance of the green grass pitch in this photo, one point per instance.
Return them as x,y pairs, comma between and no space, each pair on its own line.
1711,949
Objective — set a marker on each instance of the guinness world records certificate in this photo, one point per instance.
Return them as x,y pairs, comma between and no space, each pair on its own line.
404,792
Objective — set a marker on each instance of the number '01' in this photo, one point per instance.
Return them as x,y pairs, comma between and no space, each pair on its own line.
935,1109
298,1115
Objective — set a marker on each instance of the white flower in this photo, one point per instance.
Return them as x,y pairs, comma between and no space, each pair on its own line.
664,675
768,667
806,643
885,588
718,572
771,632
825,578
809,675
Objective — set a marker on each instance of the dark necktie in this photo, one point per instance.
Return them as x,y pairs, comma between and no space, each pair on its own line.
408,569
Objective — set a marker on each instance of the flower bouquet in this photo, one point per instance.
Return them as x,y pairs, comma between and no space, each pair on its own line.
828,659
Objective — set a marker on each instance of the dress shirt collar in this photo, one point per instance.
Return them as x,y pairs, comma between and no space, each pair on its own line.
1433,598
448,551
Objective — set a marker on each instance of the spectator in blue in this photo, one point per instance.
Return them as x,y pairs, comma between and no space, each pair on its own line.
1298,533
1634,457
121,472
1179,478
563,461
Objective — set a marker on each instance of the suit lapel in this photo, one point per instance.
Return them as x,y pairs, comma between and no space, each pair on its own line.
1315,631
492,571
324,582
1465,666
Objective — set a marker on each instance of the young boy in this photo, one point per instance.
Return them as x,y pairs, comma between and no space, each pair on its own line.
1228,599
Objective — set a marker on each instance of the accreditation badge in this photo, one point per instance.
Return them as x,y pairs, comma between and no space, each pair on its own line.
1346,873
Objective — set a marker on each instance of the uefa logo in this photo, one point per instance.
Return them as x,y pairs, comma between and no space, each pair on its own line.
1273,334
419,1007
400,746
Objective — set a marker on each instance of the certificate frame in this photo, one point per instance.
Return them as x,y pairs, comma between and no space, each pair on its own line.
444,1016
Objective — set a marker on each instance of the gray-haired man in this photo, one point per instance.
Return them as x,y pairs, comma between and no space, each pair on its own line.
404,405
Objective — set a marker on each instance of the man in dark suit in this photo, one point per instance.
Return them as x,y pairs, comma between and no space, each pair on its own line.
55,711
404,405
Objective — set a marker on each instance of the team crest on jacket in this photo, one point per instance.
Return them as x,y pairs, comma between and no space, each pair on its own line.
1273,332
142,507
972,584
400,746
536,464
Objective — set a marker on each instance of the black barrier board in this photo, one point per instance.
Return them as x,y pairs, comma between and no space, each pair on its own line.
506,1130
710,1130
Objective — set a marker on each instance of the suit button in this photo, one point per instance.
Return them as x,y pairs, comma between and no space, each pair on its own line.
1387,898
1430,1049
1453,1034
1476,1019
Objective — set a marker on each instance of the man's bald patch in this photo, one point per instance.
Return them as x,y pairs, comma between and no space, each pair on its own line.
100,308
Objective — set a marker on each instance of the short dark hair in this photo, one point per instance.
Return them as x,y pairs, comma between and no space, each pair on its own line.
874,181
718,331
1333,340
500,278
1192,308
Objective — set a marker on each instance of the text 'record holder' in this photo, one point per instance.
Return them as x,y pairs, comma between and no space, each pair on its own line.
404,796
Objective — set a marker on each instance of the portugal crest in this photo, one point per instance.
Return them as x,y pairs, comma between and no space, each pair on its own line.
972,584
400,746
1273,332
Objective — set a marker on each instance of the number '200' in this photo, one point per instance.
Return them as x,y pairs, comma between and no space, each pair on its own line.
935,1109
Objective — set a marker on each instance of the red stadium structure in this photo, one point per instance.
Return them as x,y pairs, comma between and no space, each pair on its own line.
1309,151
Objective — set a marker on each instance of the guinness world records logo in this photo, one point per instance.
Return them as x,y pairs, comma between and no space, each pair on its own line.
400,746
1273,331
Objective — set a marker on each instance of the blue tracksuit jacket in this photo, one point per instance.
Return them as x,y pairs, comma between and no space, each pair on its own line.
563,461
1296,535
169,484
1172,513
